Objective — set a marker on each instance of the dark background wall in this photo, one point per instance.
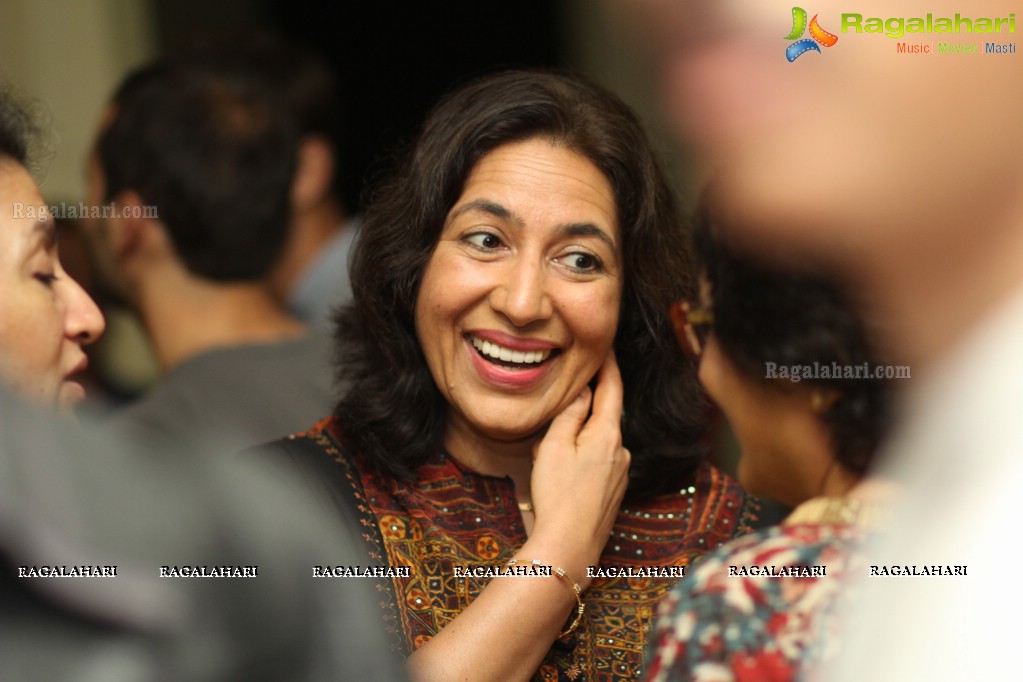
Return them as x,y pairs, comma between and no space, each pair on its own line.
392,58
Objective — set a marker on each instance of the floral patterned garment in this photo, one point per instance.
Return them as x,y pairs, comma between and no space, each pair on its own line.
452,516
721,623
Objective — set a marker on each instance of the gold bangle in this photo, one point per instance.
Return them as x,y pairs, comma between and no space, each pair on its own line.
577,592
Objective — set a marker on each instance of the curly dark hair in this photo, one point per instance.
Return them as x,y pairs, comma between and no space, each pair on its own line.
17,128
392,412
792,315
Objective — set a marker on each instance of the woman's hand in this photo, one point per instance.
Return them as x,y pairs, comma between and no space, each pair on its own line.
580,473
579,476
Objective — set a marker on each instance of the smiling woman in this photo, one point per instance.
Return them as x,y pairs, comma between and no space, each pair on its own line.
527,263
45,316
527,249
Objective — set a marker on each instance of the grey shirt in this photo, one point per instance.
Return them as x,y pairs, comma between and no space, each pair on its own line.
325,286
227,399
70,499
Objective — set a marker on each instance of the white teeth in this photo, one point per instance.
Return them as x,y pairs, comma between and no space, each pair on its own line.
497,352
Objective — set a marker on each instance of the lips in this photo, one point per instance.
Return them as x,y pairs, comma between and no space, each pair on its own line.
509,362
508,356
72,392
511,351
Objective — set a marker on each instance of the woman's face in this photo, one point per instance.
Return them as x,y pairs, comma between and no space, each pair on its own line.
45,317
518,305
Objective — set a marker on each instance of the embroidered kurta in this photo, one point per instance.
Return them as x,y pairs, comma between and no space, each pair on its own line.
451,517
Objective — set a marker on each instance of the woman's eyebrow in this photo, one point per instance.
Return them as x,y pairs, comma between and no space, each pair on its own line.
45,231
587,230
486,206
42,236
570,230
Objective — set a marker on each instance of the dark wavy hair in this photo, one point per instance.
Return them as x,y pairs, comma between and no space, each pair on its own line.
391,411
791,315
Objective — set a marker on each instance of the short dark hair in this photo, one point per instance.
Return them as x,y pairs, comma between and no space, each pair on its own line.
17,128
215,157
792,315
392,412
298,79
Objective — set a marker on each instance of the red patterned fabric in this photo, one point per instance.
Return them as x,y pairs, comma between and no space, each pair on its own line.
452,516
720,627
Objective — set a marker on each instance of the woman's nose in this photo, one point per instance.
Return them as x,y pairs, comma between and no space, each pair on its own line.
83,321
523,296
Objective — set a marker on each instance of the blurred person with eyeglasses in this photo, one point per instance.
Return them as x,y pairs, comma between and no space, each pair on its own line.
760,606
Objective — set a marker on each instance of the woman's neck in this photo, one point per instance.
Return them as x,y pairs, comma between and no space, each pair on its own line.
492,456
837,481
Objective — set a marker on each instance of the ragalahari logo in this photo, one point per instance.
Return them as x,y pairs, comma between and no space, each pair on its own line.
819,35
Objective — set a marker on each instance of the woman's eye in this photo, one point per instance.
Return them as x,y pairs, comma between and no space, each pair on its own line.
484,240
583,262
47,278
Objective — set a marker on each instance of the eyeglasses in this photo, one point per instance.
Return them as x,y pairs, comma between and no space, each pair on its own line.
692,323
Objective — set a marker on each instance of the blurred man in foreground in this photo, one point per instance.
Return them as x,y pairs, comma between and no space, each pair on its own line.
901,167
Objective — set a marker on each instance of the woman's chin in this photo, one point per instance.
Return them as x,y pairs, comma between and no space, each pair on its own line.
69,396
525,433
508,430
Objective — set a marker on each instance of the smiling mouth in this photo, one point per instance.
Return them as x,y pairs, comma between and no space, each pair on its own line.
512,359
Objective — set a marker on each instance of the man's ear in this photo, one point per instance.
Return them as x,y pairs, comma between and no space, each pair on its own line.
314,172
130,225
